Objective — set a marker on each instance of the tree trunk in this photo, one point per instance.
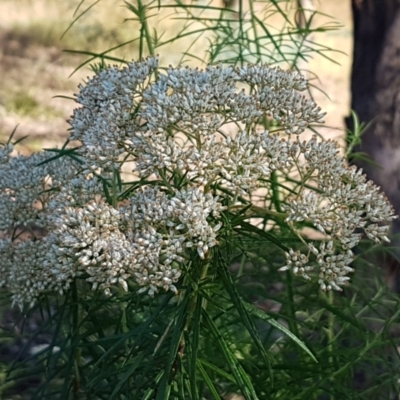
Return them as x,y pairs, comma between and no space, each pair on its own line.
375,87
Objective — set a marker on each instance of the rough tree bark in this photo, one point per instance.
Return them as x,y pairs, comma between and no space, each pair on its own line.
375,88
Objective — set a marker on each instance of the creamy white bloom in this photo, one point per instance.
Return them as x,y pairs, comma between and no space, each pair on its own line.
106,119
342,205
26,183
196,143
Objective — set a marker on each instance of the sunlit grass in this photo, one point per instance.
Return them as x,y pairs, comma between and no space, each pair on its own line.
25,105
45,23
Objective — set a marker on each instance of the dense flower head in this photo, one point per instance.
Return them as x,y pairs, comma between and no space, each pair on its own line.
184,95
5,152
24,271
105,121
26,183
122,107
87,240
74,192
342,205
236,161
198,145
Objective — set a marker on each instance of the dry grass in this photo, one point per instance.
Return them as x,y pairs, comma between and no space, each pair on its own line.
35,70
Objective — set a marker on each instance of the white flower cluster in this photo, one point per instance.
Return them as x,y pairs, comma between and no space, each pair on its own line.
141,239
23,270
342,205
186,111
161,228
195,140
5,152
26,183
106,119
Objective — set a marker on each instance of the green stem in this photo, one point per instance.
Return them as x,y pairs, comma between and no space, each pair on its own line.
331,321
76,351
275,191
124,323
330,331
114,188
259,212
290,304
193,301
165,180
241,267
241,30
253,25
145,27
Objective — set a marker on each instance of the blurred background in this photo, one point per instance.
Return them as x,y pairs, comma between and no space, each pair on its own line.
34,69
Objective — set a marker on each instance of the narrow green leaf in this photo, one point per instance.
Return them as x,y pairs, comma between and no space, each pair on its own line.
265,317
217,370
176,342
102,55
137,334
241,377
338,312
246,227
208,381
12,134
123,377
78,17
194,347
241,309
